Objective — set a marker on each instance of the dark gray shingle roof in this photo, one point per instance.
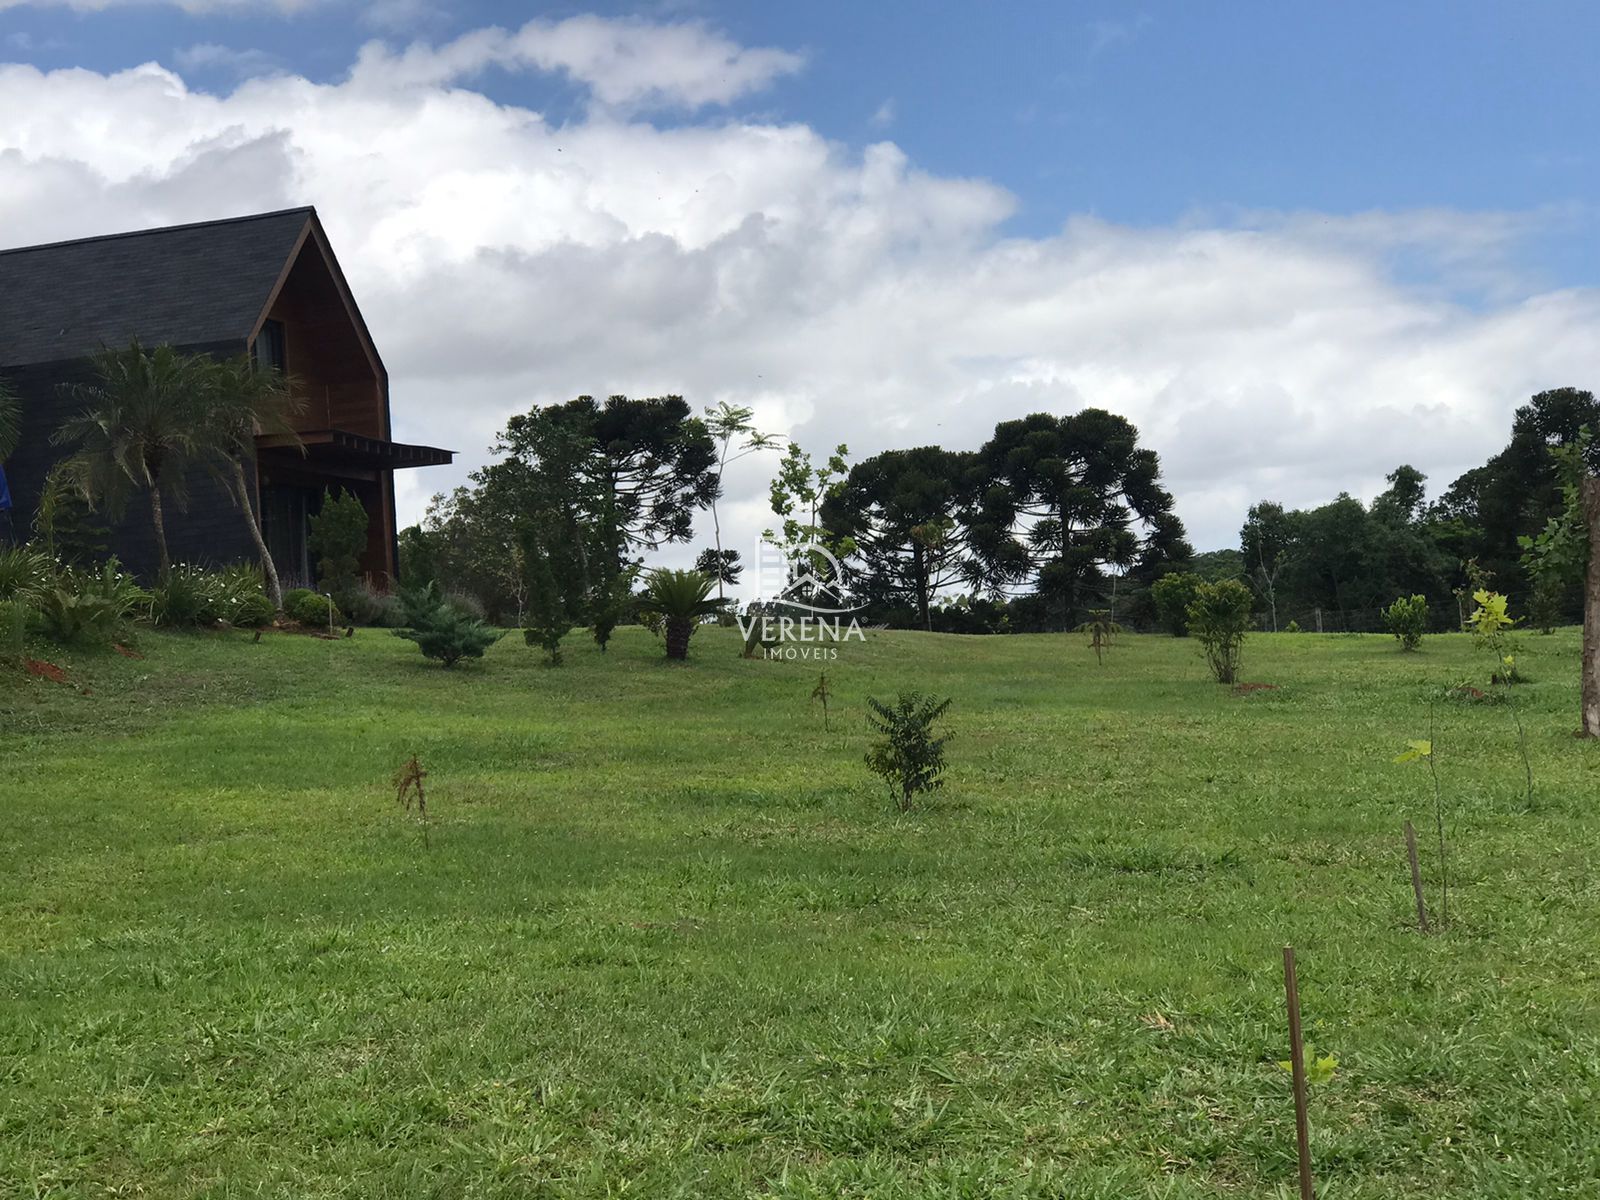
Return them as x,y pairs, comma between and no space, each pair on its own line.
188,285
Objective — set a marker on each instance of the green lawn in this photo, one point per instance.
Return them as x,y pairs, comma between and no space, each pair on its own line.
670,939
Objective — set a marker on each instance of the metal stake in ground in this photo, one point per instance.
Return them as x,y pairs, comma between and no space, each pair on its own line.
1297,1064
1416,877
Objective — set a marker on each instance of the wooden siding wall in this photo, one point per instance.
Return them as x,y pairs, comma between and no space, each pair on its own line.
324,352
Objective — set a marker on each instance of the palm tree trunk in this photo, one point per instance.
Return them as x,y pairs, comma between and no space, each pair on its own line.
268,568
159,523
678,633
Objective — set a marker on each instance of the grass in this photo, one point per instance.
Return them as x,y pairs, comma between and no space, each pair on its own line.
671,939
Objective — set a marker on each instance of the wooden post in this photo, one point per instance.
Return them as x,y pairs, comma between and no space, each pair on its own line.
1589,491
1416,877
1297,1064
1319,620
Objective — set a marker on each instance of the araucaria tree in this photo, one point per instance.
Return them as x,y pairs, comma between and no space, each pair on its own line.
632,472
145,420
1064,498
900,512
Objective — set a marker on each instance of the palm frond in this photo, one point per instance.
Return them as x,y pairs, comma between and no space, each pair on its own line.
10,419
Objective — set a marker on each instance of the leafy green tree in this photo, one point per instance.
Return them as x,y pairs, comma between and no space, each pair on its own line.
145,420
338,538
632,472
1518,490
900,512
907,754
681,599
798,493
735,436
552,558
1060,499
419,553
468,541
1173,594
1219,616
1266,546
611,600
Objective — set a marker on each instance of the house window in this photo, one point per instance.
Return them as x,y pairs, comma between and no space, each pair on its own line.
270,350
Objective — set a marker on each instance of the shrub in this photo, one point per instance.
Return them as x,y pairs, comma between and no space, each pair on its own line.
1407,619
338,538
1173,594
906,754
1292,627
253,612
363,604
13,630
182,599
25,572
310,608
442,631
90,607
189,597
610,603
466,604
1219,616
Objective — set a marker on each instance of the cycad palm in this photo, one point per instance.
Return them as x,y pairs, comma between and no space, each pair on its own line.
682,598
144,421
247,399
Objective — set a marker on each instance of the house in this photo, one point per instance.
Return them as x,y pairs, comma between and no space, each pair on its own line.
266,285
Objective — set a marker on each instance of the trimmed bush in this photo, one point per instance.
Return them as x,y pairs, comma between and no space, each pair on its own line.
1219,616
1173,594
1407,619
363,604
310,608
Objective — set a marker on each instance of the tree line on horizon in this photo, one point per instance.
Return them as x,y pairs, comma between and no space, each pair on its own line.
1053,518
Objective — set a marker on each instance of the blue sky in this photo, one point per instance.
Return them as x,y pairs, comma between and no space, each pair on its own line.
1365,229
1144,113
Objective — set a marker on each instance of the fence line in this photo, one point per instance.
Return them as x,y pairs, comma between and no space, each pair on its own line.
1442,618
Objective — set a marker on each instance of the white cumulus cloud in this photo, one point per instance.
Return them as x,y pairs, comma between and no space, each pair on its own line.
504,260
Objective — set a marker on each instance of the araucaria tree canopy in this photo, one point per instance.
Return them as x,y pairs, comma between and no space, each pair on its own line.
1062,501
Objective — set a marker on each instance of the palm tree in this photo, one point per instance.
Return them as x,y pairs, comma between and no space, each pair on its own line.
143,422
681,598
247,399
